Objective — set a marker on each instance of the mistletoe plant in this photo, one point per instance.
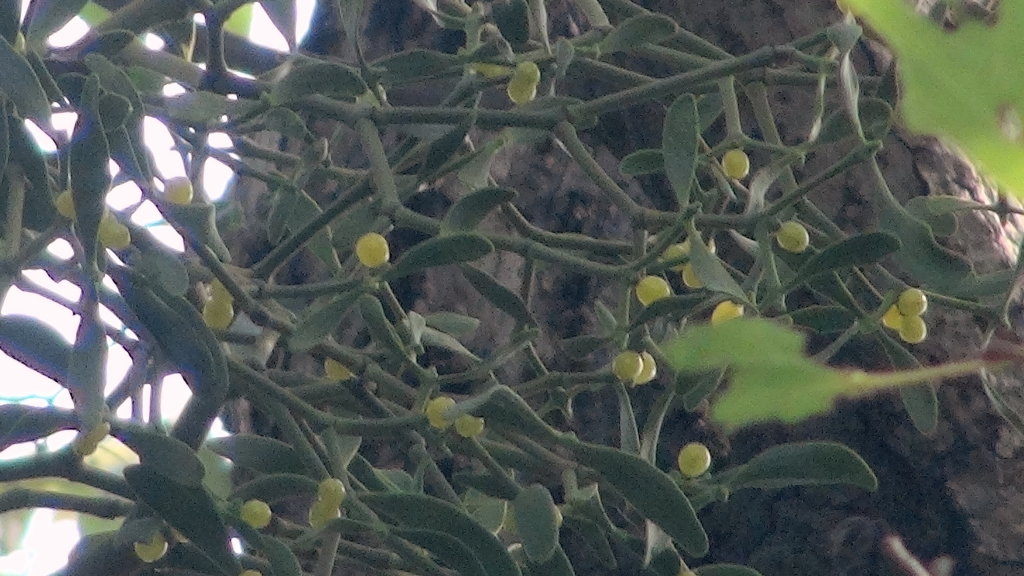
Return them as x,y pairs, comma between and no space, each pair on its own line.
342,368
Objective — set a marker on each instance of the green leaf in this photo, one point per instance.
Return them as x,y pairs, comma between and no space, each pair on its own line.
114,79
258,453
859,250
513,20
303,210
939,212
162,454
90,175
471,209
20,83
650,491
557,565
725,570
638,30
694,389
502,298
477,169
198,223
929,263
437,339
823,319
317,78
711,271
679,138
452,323
447,547
537,521
771,379
87,367
276,487
801,464
972,72
36,345
21,423
440,251
380,328
672,307
189,509
204,109
114,110
444,148
582,346
163,268
412,64
919,400
282,560
429,513
39,210
320,322
286,122
645,161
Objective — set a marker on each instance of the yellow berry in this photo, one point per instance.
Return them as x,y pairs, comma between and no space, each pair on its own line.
218,313
648,370
331,491
65,204
488,70
684,571
321,513
113,234
793,237
651,289
86,444
690,278
153,550
336,370
892,318
913,330
19,43
628,366
256,513
372,250
219,292
436,409
469,426
736,164
251,573
725,311
522,88
675,252
912,302
694,459
178,190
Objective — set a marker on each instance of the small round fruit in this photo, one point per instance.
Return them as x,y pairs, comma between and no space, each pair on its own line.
651,289
256,513
793,237
218,314
251,573
372,250
892,319
113,234
648,371
336,370
178,190
725,311
331,491
153,550
522,88
736,164
321,513
694,459
912,302
86,444
469,426
676,252
436,409
690,278
66,204
913,330
628,366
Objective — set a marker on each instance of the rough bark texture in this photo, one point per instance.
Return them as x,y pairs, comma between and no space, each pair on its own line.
958,492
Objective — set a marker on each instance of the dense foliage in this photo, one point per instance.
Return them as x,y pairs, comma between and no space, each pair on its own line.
406,444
